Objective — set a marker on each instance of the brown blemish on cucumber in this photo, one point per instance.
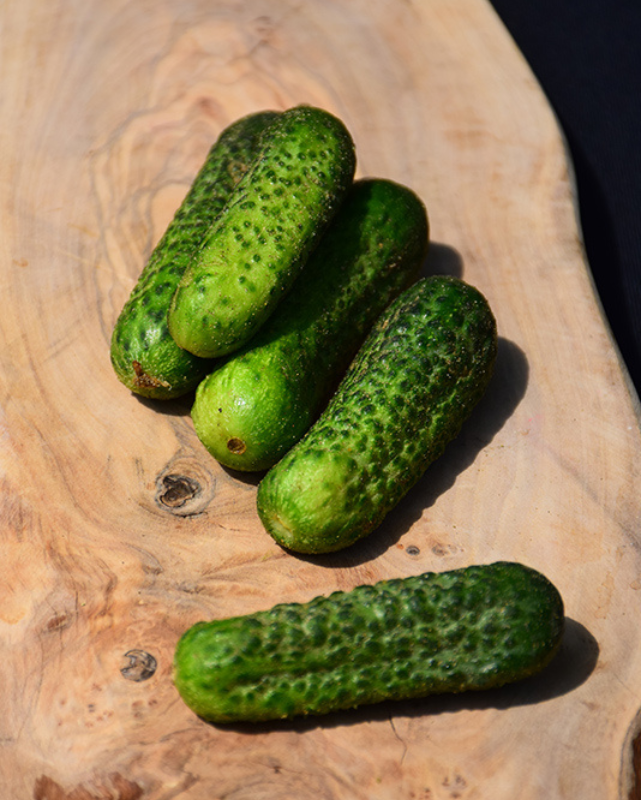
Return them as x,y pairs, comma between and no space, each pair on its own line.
236,446
143,380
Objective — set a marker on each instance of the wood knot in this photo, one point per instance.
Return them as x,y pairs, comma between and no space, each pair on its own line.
177,490
139,665
184,487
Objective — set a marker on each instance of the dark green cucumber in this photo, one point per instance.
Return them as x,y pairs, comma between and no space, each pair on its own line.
260,243
422,369
474,628
144,356
250,410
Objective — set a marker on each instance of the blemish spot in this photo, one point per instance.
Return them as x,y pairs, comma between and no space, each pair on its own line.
236,446
145,381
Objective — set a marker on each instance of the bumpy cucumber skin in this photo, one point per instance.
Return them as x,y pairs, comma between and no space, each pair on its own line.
419,374
474,628
250,410
273,221
144,356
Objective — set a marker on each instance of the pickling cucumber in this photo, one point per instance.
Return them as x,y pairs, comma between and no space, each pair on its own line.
261,241
417,377
253,407
473,628
144,355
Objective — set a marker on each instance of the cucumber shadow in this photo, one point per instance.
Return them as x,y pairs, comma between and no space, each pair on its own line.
571,667
504,393
177,407
442,259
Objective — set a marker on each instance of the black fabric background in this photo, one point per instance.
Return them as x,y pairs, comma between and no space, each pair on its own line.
586,55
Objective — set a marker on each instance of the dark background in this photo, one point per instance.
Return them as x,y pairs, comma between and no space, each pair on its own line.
586,55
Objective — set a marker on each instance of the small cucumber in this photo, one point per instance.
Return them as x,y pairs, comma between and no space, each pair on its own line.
420,372
260,243
144,355
474,628
249,411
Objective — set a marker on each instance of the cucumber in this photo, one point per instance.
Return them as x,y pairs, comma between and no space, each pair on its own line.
420,372
478,627
144,356
250,410
260,243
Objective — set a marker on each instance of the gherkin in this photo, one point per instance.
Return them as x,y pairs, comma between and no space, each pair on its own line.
260,243
479,627
144,356
422,369
257,403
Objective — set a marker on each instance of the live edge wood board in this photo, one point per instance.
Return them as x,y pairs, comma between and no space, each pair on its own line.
118,531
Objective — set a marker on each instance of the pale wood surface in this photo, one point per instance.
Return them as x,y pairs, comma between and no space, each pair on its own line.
108,109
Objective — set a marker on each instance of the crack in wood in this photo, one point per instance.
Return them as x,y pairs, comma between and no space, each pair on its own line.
635,789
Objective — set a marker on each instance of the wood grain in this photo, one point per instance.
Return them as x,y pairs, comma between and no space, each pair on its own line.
118,531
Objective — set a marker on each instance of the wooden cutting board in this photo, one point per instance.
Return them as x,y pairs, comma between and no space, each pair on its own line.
119,531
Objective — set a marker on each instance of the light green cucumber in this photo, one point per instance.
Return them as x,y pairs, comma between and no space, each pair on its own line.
253,407
144,355
417,377
260,243
469,629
